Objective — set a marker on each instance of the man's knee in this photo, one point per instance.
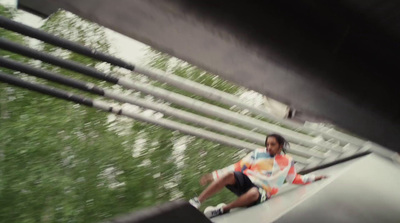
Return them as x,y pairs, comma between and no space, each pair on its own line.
253,194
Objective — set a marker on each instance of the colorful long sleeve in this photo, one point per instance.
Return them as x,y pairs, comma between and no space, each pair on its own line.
294,178
266,171
242,165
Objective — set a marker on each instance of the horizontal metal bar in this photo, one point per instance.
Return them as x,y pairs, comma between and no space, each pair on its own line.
183,115
167,95
70,65
120,111
57,41
66,44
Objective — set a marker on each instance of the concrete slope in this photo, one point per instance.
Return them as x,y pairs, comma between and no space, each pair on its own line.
350,194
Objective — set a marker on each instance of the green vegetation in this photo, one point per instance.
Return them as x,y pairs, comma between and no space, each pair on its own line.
61,162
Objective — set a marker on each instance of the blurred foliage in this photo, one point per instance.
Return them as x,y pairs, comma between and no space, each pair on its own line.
62,162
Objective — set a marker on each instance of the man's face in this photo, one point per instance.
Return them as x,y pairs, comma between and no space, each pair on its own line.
273,146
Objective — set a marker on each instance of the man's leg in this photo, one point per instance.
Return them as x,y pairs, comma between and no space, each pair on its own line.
245,200
217,185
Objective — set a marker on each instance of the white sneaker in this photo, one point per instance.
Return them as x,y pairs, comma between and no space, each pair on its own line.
211,211
195,202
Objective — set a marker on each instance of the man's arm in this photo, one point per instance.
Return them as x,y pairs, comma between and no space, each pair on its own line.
294,178
206,179
243,164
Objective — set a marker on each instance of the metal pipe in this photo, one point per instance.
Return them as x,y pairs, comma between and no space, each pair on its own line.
183,115
198,88
166,95
102,105
57,41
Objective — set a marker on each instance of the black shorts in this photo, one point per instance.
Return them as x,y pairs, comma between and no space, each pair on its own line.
244,184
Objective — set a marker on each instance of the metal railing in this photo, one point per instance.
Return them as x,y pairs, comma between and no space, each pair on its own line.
307,151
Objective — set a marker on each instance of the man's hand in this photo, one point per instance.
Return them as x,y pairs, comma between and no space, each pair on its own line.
320,178
205,179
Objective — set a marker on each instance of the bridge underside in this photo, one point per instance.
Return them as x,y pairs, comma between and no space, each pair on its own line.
336,60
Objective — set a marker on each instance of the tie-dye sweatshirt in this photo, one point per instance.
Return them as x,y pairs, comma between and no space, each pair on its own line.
267,172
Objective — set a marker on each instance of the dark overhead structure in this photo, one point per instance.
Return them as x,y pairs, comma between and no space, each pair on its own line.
337,59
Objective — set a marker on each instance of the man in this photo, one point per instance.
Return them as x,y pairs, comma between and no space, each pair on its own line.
254,179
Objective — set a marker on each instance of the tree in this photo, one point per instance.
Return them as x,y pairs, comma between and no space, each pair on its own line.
55,152
62,162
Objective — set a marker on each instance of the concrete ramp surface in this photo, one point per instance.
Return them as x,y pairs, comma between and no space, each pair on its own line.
361,190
